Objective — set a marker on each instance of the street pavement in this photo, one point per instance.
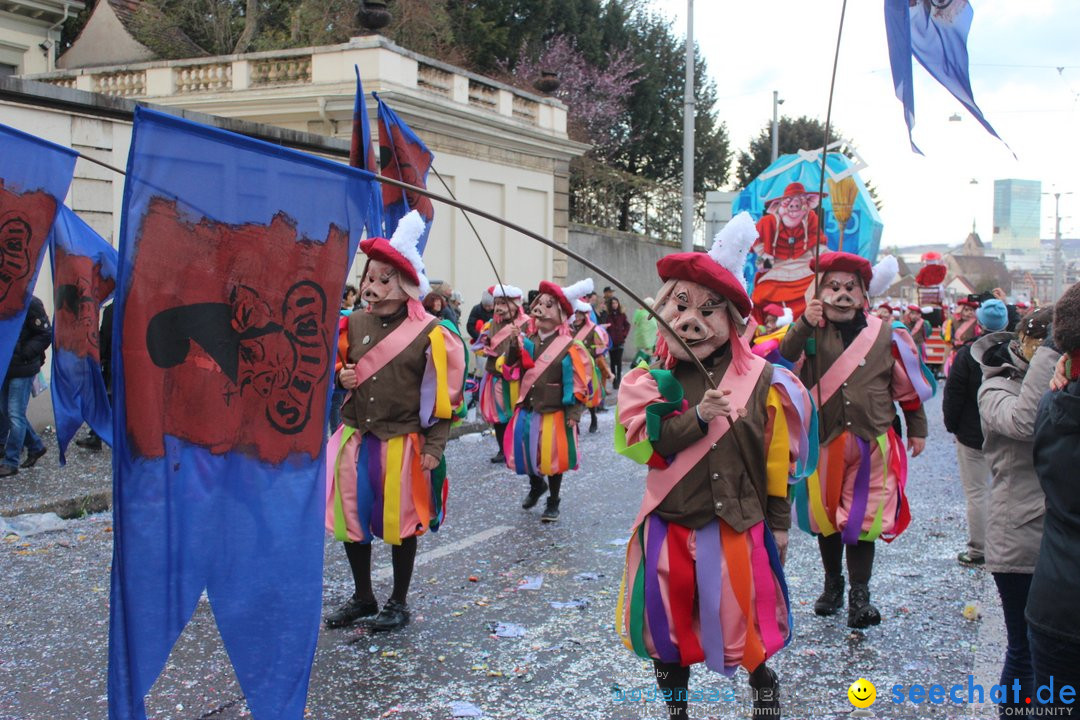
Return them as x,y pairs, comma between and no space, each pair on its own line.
567,661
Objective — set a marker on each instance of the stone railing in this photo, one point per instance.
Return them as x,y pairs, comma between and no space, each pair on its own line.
386,66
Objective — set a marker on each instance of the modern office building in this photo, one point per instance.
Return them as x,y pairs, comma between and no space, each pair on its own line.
1017,214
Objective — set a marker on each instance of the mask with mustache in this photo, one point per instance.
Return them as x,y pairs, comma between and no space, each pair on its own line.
698,316
547,313
384,289
843,295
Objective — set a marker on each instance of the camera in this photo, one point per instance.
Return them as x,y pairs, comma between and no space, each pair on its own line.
980,297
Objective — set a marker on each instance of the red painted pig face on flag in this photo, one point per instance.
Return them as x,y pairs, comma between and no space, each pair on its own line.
221,347
24,225
80,290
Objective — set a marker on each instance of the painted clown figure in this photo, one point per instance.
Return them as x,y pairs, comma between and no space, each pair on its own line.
556,382
704,579
787,234
386,476
856,366
498,396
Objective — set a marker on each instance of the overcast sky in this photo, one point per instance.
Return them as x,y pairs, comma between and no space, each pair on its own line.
753,48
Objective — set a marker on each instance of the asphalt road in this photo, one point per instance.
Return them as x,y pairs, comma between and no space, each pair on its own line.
568,663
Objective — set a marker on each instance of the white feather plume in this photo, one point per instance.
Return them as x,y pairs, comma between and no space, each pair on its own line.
883,275
578,290
507,291
404,240
581,306
786,319
733,243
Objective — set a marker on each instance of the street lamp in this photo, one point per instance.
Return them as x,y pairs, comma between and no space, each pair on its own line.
776,101
1055,293
688,136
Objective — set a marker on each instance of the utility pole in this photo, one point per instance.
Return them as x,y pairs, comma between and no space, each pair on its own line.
688,136
776,102
1058,269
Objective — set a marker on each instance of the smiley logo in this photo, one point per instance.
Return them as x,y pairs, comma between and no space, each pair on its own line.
862,693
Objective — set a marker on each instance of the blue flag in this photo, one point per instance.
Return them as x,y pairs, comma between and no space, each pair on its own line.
34,179
233,255
362,151
403,156
936,34
84,276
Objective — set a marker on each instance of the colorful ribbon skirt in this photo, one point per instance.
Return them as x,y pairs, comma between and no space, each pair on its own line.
497,398
540,443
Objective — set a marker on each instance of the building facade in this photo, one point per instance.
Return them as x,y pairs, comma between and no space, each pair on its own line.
1017,216
30,32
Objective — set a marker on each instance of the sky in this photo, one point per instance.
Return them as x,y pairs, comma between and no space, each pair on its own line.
1015,48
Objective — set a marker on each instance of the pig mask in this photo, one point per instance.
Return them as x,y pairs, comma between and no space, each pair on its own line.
504,311
793,210
843,295
385,290
698,315
547,313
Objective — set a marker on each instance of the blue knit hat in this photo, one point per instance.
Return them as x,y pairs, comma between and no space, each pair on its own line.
993,316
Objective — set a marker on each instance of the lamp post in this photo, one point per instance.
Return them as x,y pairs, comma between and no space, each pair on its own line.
776,102
1059,262
688,136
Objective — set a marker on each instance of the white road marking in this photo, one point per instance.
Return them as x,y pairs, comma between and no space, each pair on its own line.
444,550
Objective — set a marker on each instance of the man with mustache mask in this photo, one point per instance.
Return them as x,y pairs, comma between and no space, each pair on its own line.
556,382
405,372
856,365
704,579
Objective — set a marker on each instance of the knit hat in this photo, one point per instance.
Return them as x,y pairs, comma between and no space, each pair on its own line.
1067,320
993,316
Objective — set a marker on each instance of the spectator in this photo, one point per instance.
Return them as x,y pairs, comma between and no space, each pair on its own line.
435,304
644,331
1053,632
961,408
448,312
1016,373
27,359
618,328
91,441
348,299
481,314
609,293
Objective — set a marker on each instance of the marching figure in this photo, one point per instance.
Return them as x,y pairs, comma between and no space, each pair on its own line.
386,475
556,382
704,579
497,395
595,340
856,365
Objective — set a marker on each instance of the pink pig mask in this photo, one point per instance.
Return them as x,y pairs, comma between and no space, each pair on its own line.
698,315
384,289
547,312
843,295
793,210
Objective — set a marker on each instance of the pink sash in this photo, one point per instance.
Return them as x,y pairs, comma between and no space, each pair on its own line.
390,346
853,357
553,353
658,483
585,330
959,334
915,331
506,330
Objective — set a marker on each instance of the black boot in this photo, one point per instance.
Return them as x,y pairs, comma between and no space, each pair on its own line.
673,679
498,457
90,442
592,422
833,598
537,488
353,610
766,687
394,615
861,614
551,510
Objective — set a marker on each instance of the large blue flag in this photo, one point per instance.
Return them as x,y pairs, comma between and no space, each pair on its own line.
84,276
936,34
403,156
233,255
362,151
34,179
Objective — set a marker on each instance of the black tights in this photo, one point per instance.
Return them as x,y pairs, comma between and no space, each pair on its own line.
402,557
554,484
860,558
675,678
500,433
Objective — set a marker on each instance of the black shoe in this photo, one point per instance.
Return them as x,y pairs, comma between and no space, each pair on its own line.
498,457
90,442
832,599
32,457
592,424
551,510
766,687
537,488
8,470
966,558
352,611
394,615
861,614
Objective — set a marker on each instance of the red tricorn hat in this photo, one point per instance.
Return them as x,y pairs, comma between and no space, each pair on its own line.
844,262
795,189
720,269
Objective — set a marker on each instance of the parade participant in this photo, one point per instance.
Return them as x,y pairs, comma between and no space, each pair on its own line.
787,234
498,396
386,473
704,578
595,340
916,326
644,334
856,366
966,327
557,381
884,311
772,314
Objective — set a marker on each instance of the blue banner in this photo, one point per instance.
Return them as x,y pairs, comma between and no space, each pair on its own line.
84,276
34,179
936,35
403,156
233,256
362,151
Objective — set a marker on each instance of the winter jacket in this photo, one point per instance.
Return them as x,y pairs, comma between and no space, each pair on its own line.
477,317
1055,589
960,403
1008,400
644,330
618,327
34,338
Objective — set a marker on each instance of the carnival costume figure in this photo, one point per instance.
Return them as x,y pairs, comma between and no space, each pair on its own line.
498,396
